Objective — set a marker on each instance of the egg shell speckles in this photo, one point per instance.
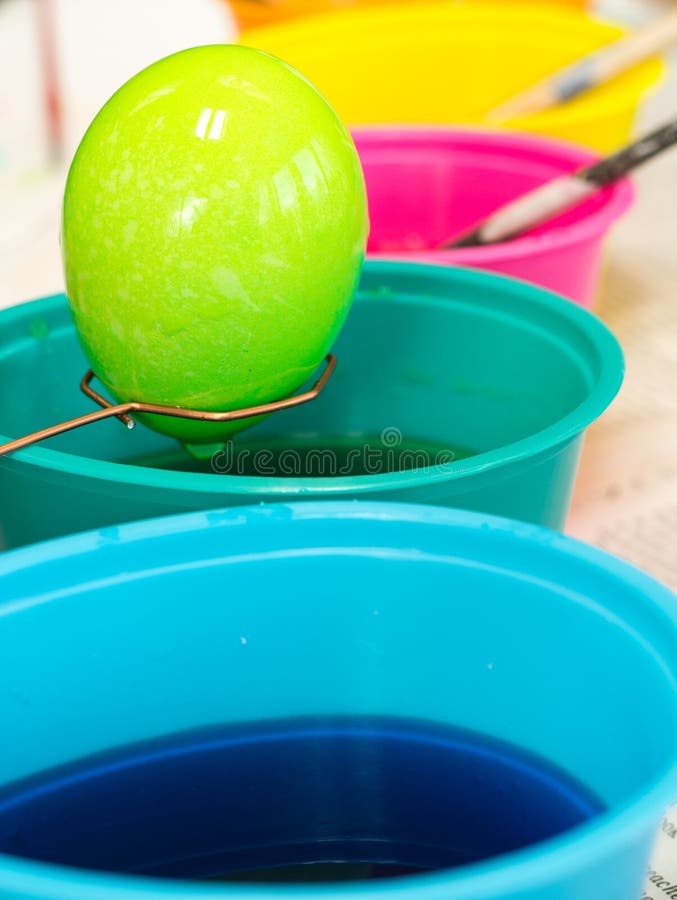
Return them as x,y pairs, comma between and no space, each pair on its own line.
214,228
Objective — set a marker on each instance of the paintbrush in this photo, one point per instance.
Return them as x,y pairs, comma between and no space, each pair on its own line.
563,193
591,71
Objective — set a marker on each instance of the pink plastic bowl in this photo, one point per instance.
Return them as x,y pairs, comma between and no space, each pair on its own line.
425,186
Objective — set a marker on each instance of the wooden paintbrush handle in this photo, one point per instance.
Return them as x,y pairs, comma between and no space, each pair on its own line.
561,194
617,57
527,212
591,70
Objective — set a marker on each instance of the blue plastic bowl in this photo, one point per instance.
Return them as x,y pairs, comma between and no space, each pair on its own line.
144,630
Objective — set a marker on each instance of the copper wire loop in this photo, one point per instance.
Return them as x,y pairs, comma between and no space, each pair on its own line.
121,411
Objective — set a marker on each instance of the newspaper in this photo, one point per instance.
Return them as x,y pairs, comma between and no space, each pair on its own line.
626,495
662,878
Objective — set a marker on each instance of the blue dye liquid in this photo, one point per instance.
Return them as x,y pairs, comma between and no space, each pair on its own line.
294,800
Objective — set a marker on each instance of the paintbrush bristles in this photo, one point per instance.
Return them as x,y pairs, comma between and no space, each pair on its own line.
591,71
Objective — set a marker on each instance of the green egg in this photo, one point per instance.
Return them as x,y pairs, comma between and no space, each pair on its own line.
214,228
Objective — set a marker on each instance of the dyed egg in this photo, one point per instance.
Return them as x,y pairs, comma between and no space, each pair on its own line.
214,228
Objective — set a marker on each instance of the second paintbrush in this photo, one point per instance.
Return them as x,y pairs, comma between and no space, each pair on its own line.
563,193
592,70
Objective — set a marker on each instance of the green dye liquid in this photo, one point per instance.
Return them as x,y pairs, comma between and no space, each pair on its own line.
312,456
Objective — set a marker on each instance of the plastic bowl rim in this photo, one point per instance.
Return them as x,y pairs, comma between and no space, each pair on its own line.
545,441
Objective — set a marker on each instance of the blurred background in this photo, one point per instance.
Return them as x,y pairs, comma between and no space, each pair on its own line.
60,60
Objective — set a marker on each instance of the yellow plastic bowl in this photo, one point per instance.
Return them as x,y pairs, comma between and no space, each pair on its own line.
254,13
432,62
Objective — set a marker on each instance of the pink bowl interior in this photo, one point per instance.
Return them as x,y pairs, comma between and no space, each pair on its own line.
425,186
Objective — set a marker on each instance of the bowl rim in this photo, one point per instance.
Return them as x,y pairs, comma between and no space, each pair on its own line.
568,156
597,336
522,870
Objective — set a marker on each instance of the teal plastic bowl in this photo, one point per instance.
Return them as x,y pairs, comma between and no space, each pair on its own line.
240,617
453,387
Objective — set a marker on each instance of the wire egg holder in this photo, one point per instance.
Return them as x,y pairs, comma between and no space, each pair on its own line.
122,411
